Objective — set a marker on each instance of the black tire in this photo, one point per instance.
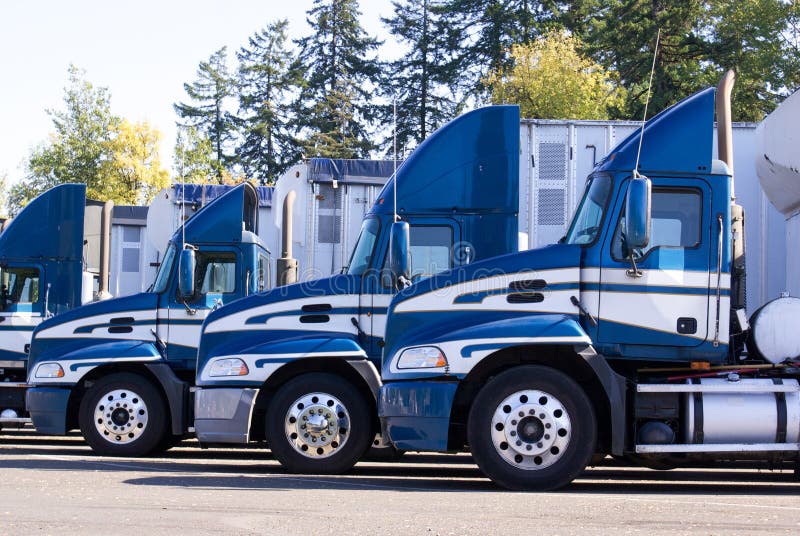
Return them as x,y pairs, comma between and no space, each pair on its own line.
347,416
532,428
168,442
141,426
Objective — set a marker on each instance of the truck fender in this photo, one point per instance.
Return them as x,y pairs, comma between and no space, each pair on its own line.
614,385
265,359
367,371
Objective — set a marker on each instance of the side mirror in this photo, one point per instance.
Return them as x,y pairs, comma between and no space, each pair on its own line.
637,213
399,254
186,273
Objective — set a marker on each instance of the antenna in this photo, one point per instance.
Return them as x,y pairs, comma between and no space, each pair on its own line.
646,102
394,142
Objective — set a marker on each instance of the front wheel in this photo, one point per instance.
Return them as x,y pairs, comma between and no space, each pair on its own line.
318,423
123,415
532,428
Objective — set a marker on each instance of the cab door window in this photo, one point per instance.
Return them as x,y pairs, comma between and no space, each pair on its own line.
431,250
19,290
215,274
675,222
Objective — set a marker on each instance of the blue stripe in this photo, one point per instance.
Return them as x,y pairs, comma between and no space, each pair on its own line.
650,289
17,328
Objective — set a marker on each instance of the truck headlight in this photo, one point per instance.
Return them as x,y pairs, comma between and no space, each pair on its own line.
421,357
49,370
229,367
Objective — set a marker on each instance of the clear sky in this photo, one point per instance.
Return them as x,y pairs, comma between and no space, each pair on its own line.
142,51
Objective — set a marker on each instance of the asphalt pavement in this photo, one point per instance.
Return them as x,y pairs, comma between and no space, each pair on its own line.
57,486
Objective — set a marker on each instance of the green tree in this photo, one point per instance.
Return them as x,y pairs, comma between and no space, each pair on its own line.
422,79
268,146
550,79
208,111
194,159
757,40
336,107
482,33
117,160
621,36
78,147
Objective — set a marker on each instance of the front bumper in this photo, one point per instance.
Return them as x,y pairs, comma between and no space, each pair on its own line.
47,407
416,415
222,415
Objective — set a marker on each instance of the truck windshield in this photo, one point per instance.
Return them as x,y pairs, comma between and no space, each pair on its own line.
588,218
362,253
160,284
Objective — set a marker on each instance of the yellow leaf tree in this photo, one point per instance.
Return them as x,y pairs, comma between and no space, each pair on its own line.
551,79
133,173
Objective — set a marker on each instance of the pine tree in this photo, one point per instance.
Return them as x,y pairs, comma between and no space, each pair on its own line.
208,112
423,78
335,108
265,85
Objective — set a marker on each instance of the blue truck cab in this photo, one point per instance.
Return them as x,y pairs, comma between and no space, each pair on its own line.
41,273
537,360
298,365
121,369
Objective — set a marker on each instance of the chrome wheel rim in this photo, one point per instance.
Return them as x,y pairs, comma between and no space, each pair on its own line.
531,430
317,425
121,416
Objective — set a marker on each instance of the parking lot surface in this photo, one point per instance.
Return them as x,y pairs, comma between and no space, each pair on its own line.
57,486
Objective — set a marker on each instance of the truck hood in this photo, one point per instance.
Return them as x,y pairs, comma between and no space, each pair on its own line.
311,308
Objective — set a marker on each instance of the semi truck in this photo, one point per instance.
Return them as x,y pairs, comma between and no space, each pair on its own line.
120,369
314,339
628,338
44,271
299,365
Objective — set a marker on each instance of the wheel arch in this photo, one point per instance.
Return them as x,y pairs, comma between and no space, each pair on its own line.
601,384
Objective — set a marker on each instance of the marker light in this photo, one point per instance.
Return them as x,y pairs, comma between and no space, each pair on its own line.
49,370
229,367
421,357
